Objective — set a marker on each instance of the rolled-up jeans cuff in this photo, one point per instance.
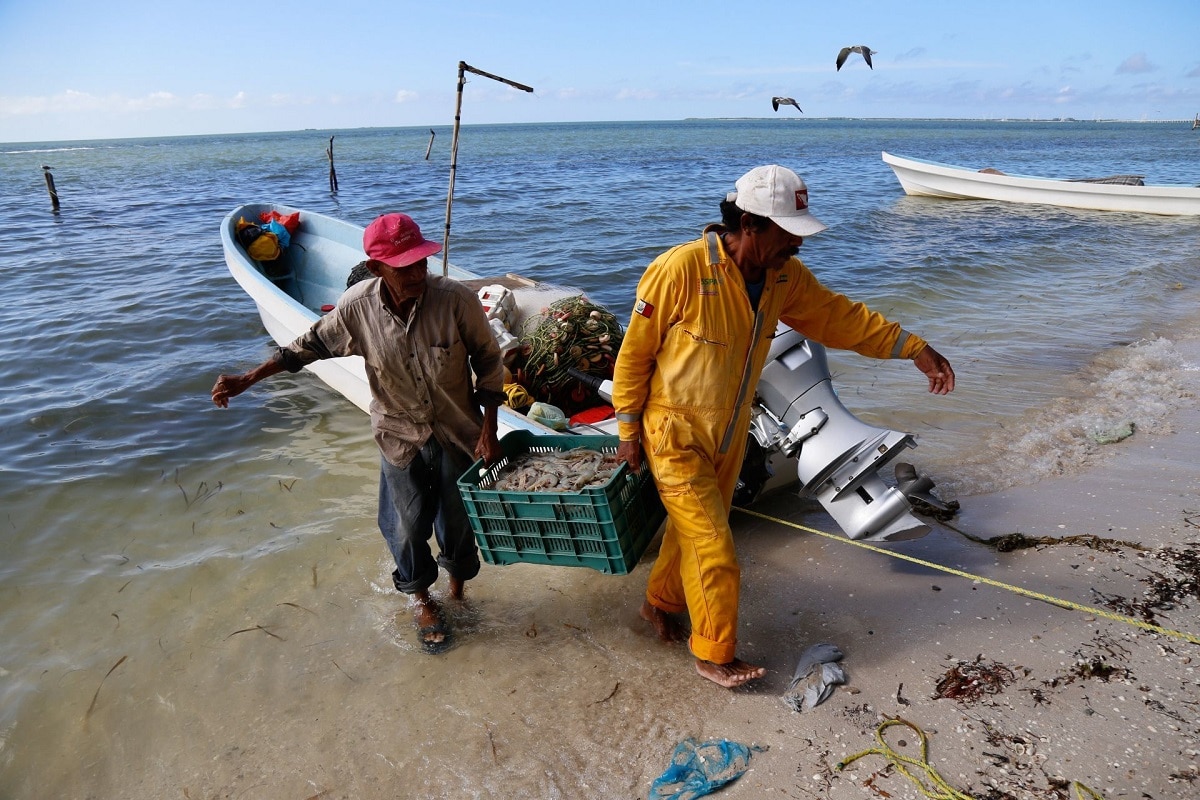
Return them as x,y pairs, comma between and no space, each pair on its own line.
420,502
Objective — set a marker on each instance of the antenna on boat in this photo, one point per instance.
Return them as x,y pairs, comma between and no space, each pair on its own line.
463,68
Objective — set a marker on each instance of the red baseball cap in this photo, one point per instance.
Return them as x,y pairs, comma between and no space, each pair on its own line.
396,240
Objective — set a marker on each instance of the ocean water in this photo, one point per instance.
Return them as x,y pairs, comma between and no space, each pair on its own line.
153,545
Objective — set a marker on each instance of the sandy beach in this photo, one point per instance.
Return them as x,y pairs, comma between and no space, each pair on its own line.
312,686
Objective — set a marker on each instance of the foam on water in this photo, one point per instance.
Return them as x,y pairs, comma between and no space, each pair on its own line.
1122,392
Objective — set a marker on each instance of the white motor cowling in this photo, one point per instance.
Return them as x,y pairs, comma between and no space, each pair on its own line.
838,456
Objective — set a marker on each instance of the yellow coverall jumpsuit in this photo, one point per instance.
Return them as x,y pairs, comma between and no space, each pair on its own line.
683,384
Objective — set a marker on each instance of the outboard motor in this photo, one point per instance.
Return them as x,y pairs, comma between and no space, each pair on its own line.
837,455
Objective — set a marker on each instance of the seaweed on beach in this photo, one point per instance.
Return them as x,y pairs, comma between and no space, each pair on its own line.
1181,588
1166,592
927,509
969,681
993,793
1096,667
1178,585
1103,665
1019,541
1191,775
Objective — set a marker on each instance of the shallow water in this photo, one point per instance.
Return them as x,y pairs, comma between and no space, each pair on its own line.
140,523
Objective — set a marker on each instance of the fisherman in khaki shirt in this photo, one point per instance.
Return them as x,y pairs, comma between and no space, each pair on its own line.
421,336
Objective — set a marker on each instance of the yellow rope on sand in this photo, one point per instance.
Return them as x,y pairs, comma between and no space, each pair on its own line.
937,788
1080,789
940,790
1046,598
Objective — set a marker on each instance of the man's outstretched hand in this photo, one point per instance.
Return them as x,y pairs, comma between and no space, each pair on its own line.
937,369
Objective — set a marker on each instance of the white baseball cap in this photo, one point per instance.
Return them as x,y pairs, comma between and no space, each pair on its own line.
778,194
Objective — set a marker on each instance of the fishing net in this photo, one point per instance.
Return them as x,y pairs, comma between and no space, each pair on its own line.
572,333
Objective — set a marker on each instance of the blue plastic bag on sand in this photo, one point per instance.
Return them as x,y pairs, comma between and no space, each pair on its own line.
698,768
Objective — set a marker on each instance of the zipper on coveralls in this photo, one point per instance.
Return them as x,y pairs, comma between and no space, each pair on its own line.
745,388
714,257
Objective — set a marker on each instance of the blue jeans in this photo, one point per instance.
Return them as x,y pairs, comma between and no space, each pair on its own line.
423,498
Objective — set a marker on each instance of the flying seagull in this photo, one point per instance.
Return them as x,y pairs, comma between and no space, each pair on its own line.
776,102
858,48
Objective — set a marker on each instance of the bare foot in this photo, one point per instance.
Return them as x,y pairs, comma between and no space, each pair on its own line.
733,674
457,587
667,626
429,621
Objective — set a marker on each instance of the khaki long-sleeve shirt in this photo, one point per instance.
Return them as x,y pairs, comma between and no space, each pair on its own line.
419,369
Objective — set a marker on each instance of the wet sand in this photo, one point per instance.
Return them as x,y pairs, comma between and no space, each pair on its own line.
298,676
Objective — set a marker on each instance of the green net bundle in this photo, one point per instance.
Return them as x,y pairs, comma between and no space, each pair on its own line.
572,333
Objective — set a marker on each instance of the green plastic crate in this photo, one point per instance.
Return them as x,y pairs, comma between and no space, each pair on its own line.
604,527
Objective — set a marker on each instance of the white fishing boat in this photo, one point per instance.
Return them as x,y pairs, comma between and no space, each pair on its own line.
310,275
800,430
1112,193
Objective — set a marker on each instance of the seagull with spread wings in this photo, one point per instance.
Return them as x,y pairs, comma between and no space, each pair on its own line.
862,49
776,102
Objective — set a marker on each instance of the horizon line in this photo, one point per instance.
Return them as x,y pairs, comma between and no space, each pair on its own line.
781,120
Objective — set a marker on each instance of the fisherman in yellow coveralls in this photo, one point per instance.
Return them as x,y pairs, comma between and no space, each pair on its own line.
685,378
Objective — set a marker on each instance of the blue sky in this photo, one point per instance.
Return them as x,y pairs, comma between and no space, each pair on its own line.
81,69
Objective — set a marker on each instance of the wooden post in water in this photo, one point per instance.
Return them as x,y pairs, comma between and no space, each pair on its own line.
430,147
50,187
463,67
333,186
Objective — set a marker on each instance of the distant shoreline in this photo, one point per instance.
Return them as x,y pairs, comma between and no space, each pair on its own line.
779,119
1186,121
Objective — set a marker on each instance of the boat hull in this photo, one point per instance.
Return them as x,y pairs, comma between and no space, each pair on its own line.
323,250
930,179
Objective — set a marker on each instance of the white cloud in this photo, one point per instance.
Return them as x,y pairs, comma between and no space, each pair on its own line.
203,102
1135,64
73,102
154,100
404,96
637,94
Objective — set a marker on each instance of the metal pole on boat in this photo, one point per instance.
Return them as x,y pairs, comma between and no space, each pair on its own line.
463,68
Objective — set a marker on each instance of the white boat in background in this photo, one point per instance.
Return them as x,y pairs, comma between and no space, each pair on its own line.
1115,193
